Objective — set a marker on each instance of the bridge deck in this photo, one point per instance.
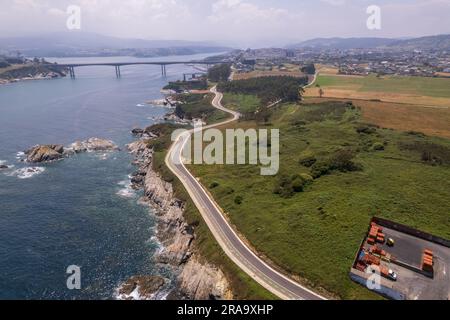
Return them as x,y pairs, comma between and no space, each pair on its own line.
119,64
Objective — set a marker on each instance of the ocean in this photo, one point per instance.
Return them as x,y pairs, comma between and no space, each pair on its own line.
79,211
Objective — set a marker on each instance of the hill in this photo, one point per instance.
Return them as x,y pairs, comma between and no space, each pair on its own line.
441,42
343,43
62,44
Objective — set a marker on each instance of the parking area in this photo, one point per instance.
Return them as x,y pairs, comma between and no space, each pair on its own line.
413,265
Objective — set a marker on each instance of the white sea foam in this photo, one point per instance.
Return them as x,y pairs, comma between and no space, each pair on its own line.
103,156
140,105
20,155
26,173
160,295
160,247
127,191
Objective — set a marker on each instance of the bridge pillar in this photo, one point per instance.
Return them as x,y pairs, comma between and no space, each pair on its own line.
72,72
163,70
118,74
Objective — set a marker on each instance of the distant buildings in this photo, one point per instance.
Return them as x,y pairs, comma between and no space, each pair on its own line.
350,62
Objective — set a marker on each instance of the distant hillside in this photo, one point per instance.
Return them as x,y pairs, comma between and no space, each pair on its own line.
90,44
423,43
343,43
440,42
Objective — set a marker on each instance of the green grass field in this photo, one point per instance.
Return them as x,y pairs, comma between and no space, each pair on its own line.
424,86
243,103
315,233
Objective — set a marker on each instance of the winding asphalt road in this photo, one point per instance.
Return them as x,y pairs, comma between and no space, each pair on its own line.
234,247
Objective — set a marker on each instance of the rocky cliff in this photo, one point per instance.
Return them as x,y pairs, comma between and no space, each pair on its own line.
197,280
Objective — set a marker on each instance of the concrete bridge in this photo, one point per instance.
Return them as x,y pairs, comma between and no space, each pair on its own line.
117,65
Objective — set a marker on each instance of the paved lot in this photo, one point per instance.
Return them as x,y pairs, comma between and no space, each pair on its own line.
415,285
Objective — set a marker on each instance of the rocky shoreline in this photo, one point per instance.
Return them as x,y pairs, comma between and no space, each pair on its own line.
40,76
196,280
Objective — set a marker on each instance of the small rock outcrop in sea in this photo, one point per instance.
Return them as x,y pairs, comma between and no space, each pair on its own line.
45,153
93,144
52,152
140,287
197,280
3,166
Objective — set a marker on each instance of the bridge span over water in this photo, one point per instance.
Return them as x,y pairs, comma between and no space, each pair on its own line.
117,65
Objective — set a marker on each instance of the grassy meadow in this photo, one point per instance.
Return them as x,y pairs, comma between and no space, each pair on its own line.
315,231
401,89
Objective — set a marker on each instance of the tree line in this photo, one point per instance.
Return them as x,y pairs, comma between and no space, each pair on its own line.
268,89
220,72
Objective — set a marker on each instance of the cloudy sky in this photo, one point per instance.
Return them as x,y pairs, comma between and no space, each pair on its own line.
233,22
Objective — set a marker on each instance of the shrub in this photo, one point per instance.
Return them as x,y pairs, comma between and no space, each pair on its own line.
416,133
283,187
378,146
307,159
213,185
286,186
341,161
238,200
320,169
298,183
366,129
307,178
229,190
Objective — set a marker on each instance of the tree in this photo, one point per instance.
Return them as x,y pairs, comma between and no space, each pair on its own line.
301,92
309,69
219,73
263,115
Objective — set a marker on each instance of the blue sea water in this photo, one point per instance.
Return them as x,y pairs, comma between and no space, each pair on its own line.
77,211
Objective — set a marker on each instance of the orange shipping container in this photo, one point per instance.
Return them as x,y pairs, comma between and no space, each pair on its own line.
428,252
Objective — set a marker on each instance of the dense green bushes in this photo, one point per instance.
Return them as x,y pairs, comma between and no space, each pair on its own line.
341,161
187,85
219,73
238,200
307,159
366,129
378,146
309,69
194,106
268,89
287,186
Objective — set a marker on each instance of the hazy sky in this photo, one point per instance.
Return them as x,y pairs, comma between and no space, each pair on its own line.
232,22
